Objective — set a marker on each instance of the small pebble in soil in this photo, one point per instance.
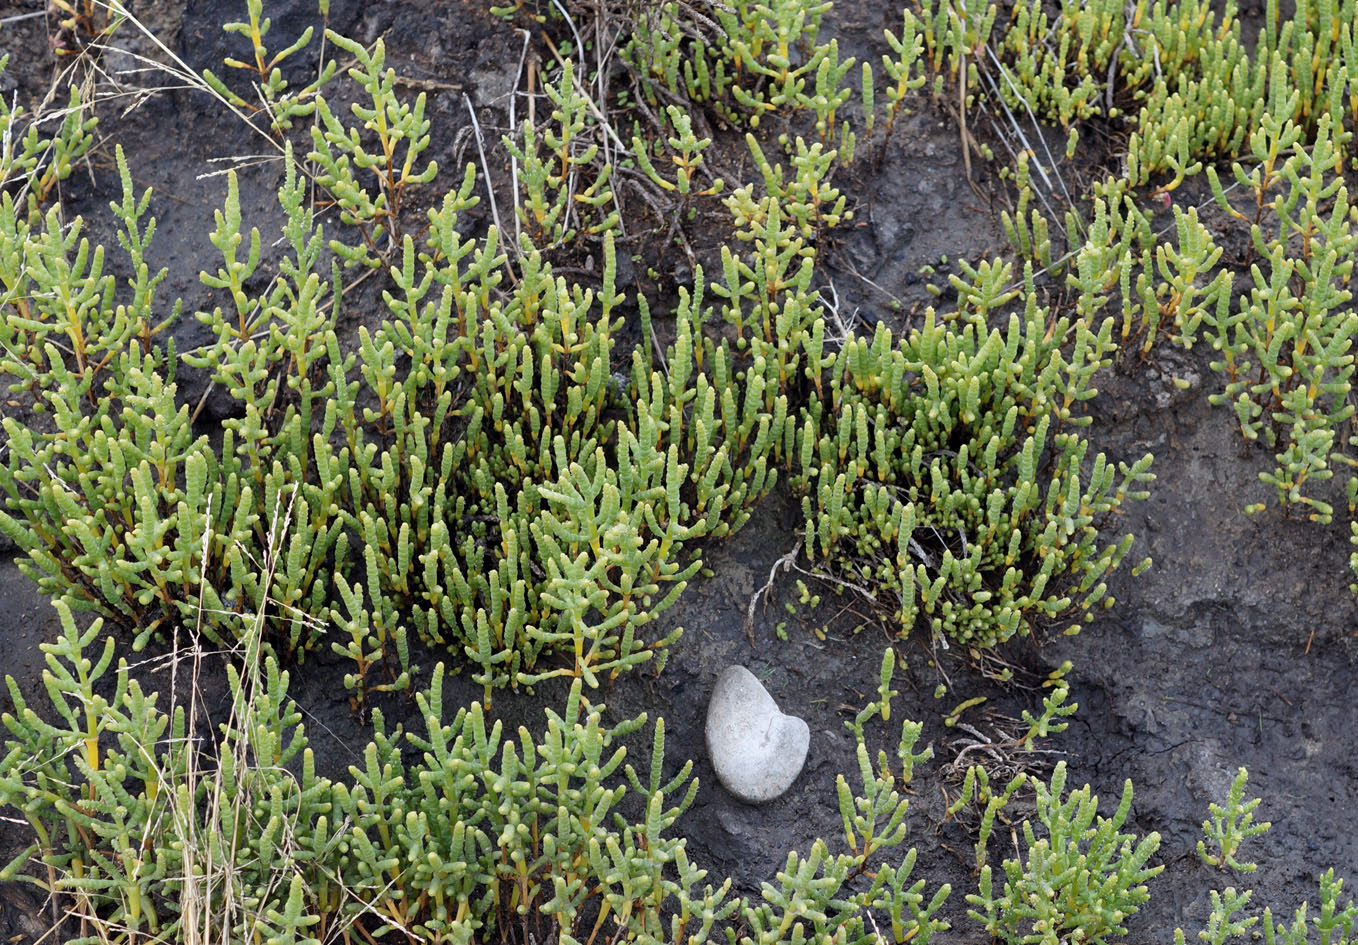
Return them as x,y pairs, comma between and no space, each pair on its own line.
756,750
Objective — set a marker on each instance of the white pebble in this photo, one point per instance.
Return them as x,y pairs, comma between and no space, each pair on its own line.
757,750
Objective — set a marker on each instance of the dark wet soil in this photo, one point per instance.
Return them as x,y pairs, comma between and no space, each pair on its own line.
1237,647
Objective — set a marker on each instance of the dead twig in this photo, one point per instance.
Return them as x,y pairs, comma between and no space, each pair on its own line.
485,168
786,562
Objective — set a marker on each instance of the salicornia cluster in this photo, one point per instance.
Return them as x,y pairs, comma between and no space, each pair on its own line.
517,457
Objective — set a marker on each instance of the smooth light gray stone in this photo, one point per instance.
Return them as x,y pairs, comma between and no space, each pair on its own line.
757,750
